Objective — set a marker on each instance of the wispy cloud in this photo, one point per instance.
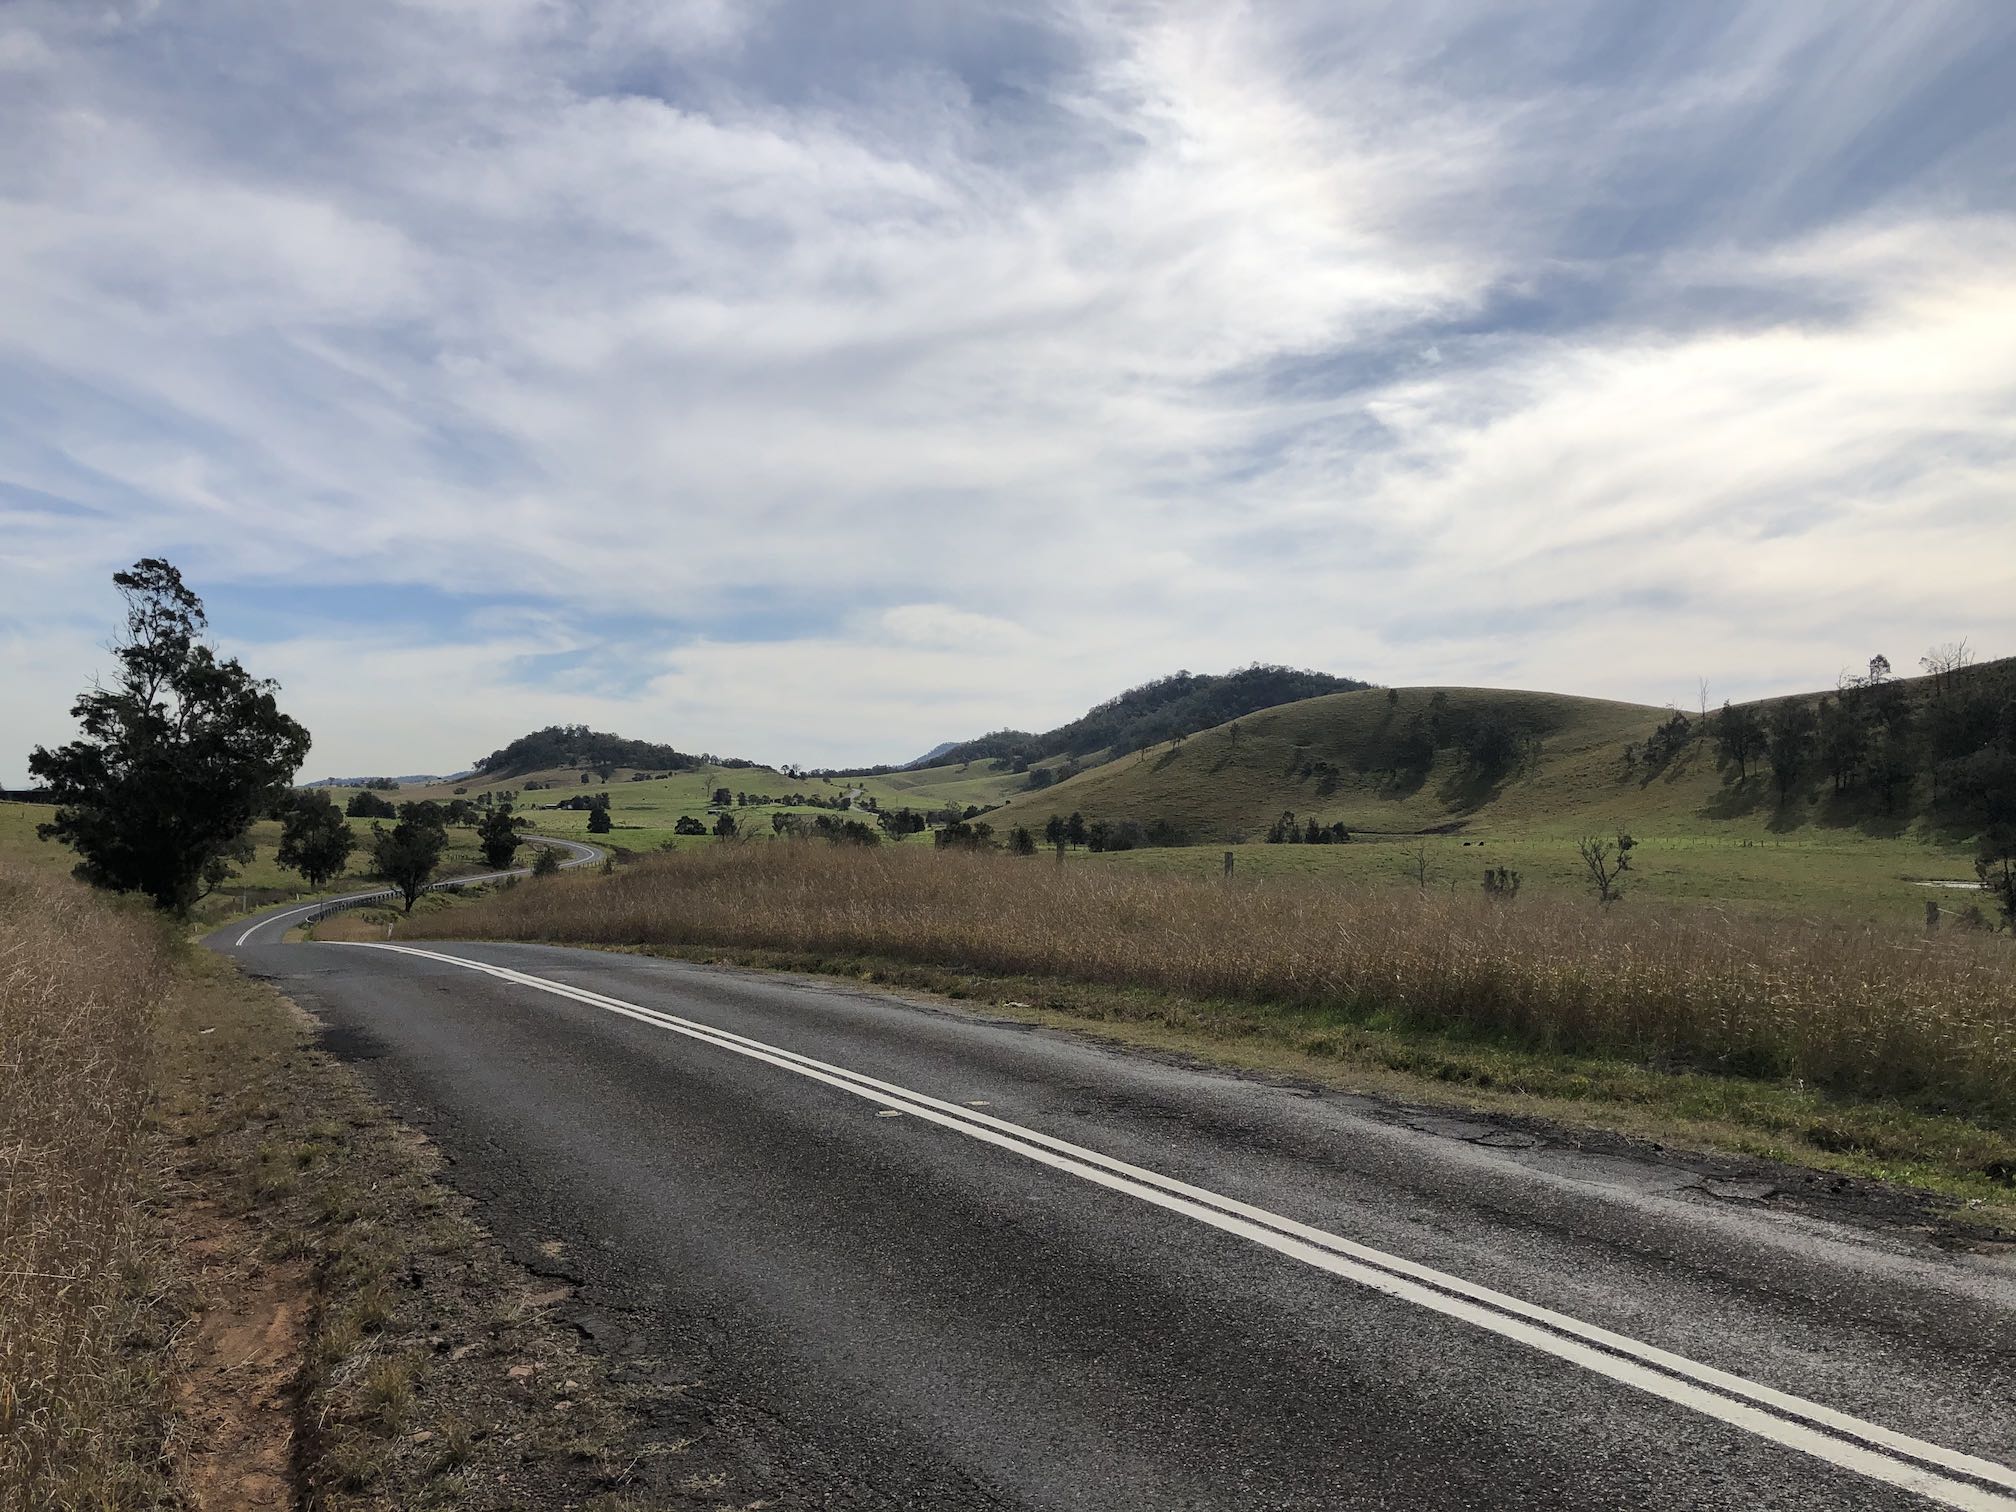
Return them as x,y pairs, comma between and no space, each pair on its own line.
822,382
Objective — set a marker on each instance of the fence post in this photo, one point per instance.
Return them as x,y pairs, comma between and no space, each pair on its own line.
1228,863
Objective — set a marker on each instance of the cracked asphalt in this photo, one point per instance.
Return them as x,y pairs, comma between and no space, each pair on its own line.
864,1309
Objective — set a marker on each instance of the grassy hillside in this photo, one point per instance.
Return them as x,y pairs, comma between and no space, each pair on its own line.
1331,759
1706,831
1581,765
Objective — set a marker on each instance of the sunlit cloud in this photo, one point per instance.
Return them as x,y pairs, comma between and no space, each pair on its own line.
821,383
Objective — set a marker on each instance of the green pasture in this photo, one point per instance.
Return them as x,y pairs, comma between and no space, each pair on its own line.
644,813
1832,878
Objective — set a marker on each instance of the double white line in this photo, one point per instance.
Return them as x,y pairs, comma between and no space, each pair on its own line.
1929,1470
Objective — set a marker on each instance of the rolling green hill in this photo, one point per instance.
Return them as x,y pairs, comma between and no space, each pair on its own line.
1422,760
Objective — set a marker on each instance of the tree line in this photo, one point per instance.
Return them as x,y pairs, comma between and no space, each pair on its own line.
1952,733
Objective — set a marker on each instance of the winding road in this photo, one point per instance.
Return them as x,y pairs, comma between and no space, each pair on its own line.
578,854
912,1257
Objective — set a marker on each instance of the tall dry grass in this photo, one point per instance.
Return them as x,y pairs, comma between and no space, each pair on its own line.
79,979
1858,1010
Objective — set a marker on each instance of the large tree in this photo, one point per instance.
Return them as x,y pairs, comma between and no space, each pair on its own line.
179,754
1740,733
498,835
1789,734
406,854
315,839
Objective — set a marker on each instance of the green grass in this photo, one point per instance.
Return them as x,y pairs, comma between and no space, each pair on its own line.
1832,876
1705,834
644,813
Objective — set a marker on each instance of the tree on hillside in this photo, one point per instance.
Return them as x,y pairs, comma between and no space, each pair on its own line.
599,822
1789,736
314,839
1942,662
365,804
498,836
407,854
1996,867
178,756
1053,831
1893,762
1414,752
688,825
1842,742
724,827
546,863
1074,829
1739,735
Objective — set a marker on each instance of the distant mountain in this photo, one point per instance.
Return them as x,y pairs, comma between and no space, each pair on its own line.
1180,704
930,757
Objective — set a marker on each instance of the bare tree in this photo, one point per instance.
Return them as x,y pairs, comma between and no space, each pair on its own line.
1941,662
1702,688
1421,866
1606,866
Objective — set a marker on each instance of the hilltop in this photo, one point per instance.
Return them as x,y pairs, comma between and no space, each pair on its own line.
1167,708
559,746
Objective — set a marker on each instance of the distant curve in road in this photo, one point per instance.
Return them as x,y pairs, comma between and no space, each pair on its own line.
921,1258
581,854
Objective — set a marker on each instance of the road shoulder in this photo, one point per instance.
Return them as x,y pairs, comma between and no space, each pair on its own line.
354,1338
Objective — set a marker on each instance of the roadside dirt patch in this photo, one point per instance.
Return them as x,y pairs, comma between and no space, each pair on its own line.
359,1343
239,1364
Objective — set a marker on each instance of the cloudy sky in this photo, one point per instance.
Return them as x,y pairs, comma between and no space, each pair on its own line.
820,379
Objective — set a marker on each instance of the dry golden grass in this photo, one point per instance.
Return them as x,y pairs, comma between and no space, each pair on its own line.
79,984
1865,1010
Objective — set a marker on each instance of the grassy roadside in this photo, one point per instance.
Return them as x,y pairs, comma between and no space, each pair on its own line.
1872,1056
229,1279
1949,1158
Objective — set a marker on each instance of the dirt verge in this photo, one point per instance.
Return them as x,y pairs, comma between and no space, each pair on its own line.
355,1340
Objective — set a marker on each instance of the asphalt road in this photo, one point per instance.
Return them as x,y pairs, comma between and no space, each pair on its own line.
916,1258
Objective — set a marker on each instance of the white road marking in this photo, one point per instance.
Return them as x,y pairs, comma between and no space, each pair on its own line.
1851,1443
320,903
583,854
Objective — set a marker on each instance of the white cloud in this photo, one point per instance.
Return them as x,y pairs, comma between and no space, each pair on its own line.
1001,362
